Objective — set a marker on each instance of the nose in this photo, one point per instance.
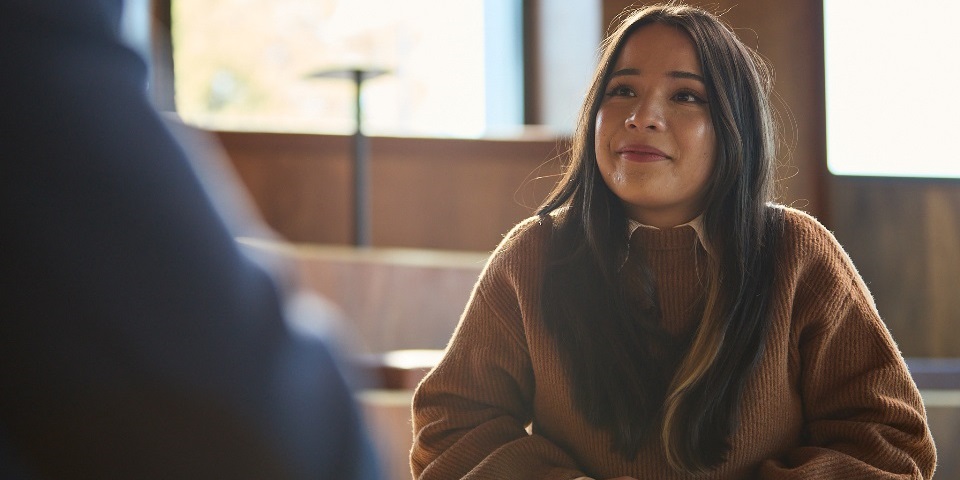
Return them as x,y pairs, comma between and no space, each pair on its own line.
646,114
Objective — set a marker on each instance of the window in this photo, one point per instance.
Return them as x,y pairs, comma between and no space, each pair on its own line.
891,74
455,68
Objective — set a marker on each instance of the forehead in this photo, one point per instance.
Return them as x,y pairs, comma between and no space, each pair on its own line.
659,47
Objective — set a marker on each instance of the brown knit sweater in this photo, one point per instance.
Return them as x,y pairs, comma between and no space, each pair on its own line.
830,399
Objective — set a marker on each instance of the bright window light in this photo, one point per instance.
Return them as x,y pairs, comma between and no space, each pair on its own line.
893,107
245,65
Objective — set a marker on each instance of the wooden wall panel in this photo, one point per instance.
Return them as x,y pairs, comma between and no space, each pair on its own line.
301,183
904,237
425,193
462,194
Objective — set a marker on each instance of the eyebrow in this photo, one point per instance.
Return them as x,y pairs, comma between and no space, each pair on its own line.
672,74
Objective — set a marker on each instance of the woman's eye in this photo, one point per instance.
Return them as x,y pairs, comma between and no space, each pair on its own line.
688,97
620,91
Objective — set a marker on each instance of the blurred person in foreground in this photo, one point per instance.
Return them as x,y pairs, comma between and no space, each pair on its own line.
138,341
661,318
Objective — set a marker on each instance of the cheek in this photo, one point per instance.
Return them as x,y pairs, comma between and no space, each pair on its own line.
707,154
697,137
599,128
703,135
608,122
601,141
710,153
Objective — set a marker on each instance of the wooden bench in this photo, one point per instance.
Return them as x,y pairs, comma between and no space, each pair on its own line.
402,305
392,298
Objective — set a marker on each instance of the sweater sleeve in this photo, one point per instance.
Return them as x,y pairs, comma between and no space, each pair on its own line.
470,413
864,417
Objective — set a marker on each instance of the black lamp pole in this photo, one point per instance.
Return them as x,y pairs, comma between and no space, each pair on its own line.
361,151
361,173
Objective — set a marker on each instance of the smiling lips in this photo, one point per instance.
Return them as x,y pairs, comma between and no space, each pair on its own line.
641,154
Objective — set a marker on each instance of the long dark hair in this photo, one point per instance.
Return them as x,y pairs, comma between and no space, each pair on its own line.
606,341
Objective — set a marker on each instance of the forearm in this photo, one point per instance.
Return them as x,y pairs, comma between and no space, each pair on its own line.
471,411
478,435
522,458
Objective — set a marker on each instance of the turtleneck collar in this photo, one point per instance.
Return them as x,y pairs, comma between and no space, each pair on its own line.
696,224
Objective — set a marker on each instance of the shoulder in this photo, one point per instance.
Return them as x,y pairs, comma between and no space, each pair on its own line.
814,263
514,271
524,245
803,227
809,244
535,229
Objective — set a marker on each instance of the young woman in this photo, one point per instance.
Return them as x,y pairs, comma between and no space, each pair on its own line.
659,317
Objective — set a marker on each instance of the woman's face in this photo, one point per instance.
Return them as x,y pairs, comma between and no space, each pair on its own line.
655,142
